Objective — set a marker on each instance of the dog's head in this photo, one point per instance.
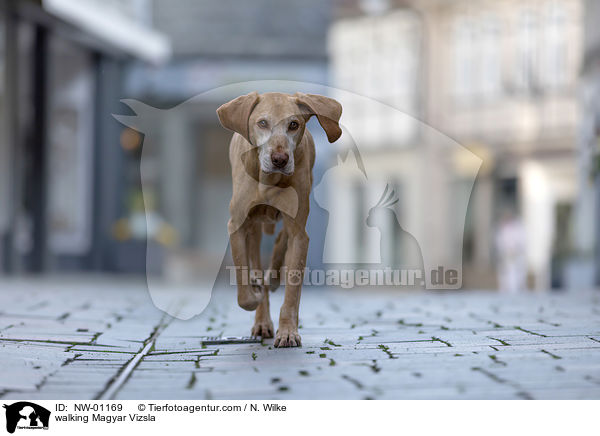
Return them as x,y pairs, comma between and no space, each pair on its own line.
275,123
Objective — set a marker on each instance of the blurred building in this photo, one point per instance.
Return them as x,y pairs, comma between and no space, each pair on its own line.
588,224
501,78
61,70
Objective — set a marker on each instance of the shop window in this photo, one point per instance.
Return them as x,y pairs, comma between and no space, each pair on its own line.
70,147
4,146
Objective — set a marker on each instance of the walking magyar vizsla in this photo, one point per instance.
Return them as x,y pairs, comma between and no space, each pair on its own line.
272,156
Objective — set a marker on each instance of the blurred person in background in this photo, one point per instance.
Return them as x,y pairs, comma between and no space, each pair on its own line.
512,261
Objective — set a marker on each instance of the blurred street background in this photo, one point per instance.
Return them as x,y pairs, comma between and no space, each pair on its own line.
515,82
106,155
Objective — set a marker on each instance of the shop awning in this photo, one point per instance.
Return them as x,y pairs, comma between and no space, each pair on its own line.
109,24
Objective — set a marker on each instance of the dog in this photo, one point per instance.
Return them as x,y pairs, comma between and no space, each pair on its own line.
272,155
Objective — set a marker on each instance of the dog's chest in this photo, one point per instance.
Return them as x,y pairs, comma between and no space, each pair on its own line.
260,201
265,214
281,199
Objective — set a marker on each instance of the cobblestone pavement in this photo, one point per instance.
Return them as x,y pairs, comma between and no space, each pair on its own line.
101,338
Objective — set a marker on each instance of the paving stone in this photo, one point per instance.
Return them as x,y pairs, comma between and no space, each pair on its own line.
58,339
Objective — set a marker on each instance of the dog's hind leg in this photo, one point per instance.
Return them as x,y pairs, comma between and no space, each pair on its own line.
248,298
263,324
273,274
253,248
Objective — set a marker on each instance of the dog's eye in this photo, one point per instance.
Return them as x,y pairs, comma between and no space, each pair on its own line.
263,124
293,125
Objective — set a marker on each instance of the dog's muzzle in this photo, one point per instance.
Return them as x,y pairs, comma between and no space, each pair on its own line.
280,159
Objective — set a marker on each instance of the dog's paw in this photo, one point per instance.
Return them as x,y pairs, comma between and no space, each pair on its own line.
264,329
287,338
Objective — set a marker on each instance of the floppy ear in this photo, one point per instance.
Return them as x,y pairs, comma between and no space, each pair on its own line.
327,110
234,114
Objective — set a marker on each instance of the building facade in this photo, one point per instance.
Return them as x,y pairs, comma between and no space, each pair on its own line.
501,78
61,67
588,216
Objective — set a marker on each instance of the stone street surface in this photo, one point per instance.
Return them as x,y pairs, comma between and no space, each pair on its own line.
101,338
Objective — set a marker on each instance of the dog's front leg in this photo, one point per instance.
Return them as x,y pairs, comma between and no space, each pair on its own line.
263,325
248,298
287,333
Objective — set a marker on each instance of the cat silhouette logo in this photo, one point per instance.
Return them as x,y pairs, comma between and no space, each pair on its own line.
26,415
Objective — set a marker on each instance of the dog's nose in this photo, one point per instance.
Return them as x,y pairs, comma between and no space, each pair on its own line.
280,159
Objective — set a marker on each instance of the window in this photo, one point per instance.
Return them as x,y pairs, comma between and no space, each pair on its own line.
526,60
70,142
476,54
554,48
490,77
379,57
4,146
463,58
542,57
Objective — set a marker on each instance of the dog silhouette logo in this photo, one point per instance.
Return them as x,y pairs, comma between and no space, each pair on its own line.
431,174
26,415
